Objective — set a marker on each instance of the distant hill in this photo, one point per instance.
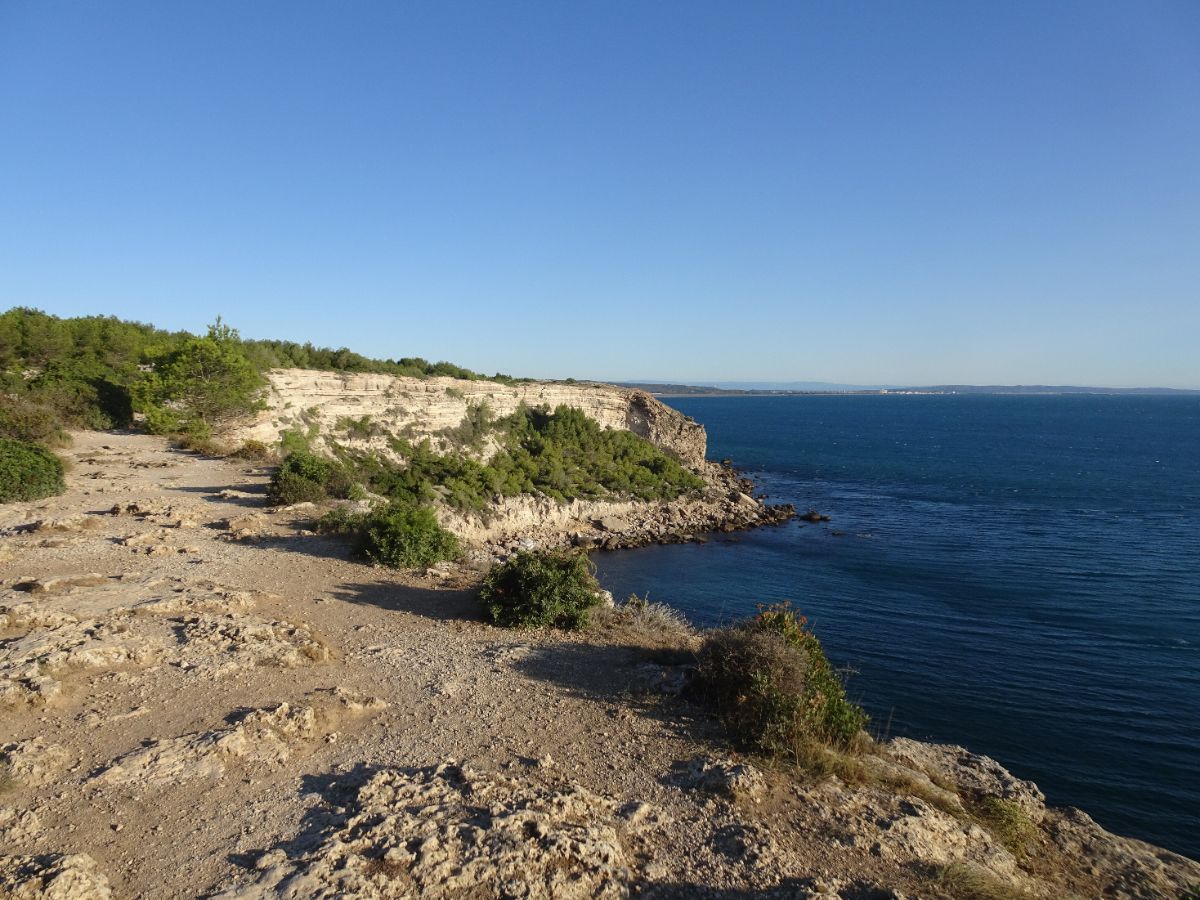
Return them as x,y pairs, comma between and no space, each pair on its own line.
1046,389
758,389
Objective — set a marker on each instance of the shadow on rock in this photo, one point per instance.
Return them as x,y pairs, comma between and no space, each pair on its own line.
637,680
231,495
787,889
439,605
328,795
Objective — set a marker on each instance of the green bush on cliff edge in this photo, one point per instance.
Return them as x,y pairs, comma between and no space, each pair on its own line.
537,589
769,682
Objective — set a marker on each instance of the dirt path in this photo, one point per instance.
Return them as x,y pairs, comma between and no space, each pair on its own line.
201,697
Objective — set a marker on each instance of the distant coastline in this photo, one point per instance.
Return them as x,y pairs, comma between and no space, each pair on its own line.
690,390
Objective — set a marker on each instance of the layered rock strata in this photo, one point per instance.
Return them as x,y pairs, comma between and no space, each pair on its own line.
367,412
418,409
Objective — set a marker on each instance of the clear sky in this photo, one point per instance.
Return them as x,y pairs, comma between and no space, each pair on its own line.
859,192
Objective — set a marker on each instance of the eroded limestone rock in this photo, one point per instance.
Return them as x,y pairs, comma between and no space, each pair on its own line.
33,762
236,643
451,831
18,826
203,628
264,735
61,584
975,776
53,877
1127,868
722,776
33,615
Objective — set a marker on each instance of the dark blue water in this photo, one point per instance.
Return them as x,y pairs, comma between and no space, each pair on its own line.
1020,575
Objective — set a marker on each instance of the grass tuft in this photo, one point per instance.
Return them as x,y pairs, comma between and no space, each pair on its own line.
1009,823
967,881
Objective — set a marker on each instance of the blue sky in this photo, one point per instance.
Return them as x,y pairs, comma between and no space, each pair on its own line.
853,192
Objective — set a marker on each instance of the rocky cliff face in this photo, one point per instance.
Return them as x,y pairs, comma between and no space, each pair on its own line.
416,409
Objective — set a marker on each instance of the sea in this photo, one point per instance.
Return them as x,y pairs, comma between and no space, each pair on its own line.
1019,575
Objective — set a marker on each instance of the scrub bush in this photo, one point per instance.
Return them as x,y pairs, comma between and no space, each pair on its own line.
253,451
769,682
541,588
28,472
404,537
304,477
1009,823
25,419
205,378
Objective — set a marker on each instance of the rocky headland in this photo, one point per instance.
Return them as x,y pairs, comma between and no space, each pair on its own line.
201,697
366,412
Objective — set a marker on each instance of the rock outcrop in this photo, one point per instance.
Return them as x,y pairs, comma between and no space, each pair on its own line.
368,412
451,831
53,877
202,629
416,409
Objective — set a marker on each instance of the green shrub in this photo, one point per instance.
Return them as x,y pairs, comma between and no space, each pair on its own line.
361,428
561,454
84,393
769,682
287,488
475,426
541,588
28,472
305,477
197,436
294,440
340,520
402,536
564,454
205,378
161,420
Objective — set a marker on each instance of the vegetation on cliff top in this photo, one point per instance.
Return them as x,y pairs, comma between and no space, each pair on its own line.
561,454
96,371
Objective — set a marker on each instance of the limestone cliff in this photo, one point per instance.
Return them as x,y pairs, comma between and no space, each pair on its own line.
427,408
366,412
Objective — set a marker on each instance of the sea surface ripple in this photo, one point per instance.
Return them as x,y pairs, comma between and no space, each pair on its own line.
1020,575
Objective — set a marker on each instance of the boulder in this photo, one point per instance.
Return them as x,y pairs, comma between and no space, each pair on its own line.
614,524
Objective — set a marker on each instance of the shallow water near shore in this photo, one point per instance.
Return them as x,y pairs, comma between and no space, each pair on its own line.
1020,575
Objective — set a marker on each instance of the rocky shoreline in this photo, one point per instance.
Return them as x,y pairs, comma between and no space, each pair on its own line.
727,505
202,698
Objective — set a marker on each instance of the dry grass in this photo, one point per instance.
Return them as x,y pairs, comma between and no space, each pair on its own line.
255,451
1009,823
850,765
658,621
967,881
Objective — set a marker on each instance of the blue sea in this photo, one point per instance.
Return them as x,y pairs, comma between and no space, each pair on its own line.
1016,574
